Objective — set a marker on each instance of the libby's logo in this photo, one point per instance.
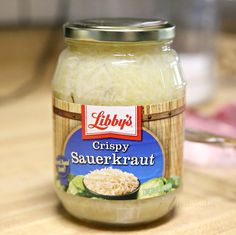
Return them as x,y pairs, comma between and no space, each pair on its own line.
103,121
123,122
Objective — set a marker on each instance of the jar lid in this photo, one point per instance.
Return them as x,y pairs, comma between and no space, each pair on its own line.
119,30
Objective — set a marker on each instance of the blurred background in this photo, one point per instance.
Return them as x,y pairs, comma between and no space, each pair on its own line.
30,42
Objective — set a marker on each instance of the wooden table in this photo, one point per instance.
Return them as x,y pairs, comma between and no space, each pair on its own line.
28,203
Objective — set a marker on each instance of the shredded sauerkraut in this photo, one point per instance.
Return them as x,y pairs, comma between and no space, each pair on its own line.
108,181
118,75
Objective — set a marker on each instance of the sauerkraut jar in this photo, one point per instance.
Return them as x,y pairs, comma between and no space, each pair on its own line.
118,103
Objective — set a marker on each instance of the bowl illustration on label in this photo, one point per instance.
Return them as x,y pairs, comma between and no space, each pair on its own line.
113,184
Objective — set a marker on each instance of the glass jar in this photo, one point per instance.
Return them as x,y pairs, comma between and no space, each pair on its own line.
118,102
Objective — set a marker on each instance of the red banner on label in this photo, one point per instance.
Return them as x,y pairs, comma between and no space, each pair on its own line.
122,122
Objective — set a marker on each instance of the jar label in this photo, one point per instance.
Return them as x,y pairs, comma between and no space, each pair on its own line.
117,152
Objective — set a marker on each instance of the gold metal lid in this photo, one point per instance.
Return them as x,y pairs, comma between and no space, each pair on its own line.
119,30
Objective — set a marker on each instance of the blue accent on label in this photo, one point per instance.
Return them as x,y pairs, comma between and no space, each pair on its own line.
142,158
63,169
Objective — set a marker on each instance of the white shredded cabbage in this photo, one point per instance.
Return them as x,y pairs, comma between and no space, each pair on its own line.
123,75
108,181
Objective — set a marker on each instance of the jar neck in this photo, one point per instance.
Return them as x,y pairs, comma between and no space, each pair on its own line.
75,45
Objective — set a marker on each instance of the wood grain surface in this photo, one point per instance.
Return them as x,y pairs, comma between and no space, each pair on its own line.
28,204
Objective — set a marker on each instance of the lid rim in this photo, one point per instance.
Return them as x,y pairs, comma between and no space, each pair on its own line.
138,32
